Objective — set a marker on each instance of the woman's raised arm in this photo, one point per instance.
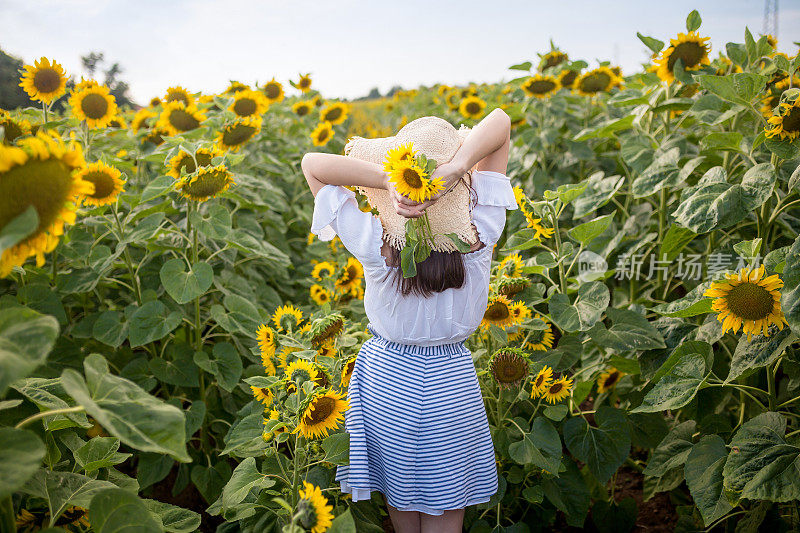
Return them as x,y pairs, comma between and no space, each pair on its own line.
487,144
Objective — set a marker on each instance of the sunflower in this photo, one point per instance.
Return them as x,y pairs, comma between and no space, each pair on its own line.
117,121
320,294
44,81
773,98
315,513
541,86
558,390
472,107
155,101
690,48
106,181
155,136
566,78
40,172
301,370
511,266
347,370
404,152
541,340
335,113
322,411
304,84
274,414
205,183
13,129
266,340
317,100
520,311
786,123
327,349
96,105
511,286
273,91
264,396
323,377
326,329
540,231
608,379
185,163
726,66
179,94
235,134
508,367
595,81
249,103
748,301
142,119
287,317
542,382
410,180
452,99
84,84
323,269
322,134
235,87
498,312
177,117
74,516
552,59
302,108
350,277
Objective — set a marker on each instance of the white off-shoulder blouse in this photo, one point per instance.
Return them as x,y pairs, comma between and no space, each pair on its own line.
444,317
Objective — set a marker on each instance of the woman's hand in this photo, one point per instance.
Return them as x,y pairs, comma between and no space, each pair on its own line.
450,172
403,205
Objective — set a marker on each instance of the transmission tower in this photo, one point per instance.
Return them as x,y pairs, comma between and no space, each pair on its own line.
770,18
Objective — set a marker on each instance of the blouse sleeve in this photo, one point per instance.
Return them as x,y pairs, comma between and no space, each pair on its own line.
336,212
495,196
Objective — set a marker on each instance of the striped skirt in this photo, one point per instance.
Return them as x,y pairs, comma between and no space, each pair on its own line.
418,428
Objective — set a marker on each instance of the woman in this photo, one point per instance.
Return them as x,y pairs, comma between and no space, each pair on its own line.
417,422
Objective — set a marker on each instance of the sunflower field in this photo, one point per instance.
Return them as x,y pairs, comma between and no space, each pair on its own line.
176,347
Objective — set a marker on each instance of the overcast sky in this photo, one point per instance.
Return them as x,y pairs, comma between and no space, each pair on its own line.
350,46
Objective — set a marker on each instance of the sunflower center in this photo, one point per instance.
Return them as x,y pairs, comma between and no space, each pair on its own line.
791,121
510,371
750,301
305,82
183,121
333,114
611,379
411,178
555,388
237,134
94,106
690,53
46,80
43,184
569,78
541,86
208,184
595,83
323,135
497,311
272,91
321,410
103,184
244,107
178,97
302,110
473,107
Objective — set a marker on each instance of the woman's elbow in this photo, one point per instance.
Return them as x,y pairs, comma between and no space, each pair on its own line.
503,116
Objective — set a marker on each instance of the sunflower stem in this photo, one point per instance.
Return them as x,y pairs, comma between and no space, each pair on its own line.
561,278
771,387
127,256
53,412
7,520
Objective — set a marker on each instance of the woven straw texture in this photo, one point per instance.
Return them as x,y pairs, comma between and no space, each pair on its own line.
451,213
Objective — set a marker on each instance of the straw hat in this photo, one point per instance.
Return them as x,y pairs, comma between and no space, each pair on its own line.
451,213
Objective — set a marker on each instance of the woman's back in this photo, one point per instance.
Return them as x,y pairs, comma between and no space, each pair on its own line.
444,317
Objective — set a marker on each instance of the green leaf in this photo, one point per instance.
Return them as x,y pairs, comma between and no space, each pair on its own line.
693,21
211,480
592,300
675,240
790,293
60,489
244,437
629,331
26,337
185,286
215,223
714,203
739,88
21,454
599,191
783,148
692,304
748,249
662,172
111,328
758,352
569,493
151,322
343,523
722,140
566,192
603,448
226,366
762,465
703,472
245,478
157,187
407,260
173,519
673,450
541,446
126,411
99,452
606,129
588,231
460,245
244,241
653,44
679,378
18,228
521,66
117,510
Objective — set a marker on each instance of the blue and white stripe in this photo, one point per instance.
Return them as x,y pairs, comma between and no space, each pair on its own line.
418,428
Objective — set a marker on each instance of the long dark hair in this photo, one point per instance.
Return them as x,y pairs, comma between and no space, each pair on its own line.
439,272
